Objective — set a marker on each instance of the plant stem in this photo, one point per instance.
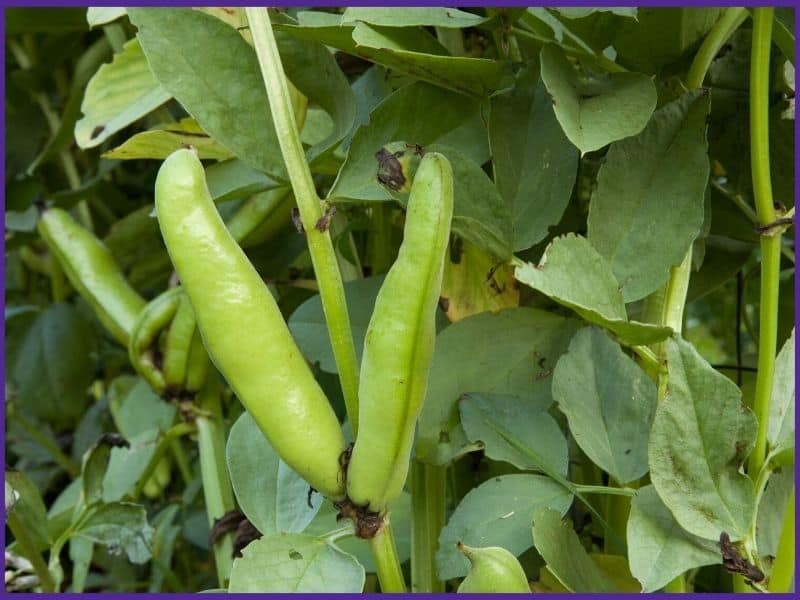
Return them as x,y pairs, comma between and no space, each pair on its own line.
428,485
604,489
28,550
387,564
730,21
180,459
320,247
770,245
783,569
174,432
217,488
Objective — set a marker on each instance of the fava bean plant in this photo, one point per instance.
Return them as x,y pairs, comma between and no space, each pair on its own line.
400,300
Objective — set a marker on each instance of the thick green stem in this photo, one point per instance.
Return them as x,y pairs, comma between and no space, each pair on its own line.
28,550
770,245
320,247
782,576
387,563
427,484
730,21
217,488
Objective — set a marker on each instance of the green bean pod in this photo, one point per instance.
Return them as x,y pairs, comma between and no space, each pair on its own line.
197,367
399,342
152,321
178,344
493,570
243,329
92,271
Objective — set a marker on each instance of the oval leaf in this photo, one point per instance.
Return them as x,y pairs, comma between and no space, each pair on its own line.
292,562
510,352
481,414
572,273
497,513
119,94
701,434
659,549
649,203
564,554
596,110
609,403
272,496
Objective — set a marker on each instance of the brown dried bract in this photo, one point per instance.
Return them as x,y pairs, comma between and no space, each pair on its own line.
734,562
367,523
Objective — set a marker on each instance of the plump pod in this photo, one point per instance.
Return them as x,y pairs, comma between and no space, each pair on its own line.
493,570
92,271
151,322
243,329
399,342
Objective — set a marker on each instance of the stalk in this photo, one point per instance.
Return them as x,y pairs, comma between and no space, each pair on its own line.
28,550
427,484
320,246
217,488
783,570
770,244
387,563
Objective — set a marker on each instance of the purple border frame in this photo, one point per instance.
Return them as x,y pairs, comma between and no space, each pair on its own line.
466,3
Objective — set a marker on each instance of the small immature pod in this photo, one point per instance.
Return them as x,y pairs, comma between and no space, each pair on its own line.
493,570
92,271
398,346
243,329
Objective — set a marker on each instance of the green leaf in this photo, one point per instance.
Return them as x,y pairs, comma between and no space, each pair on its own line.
510,352
564,554
497,513
780,426
119,94
535,165
127,465
295,563
595,110
164,539
572,273
272,496
412,17
659,550
701,434
233,179
310,330
480,215
51,383
609,403
650,194
660,36
161,141
28,507
95,463
96,15
136,408
313,70
577,12
771,513
122,527
213,72
533,425
412,52
419,114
